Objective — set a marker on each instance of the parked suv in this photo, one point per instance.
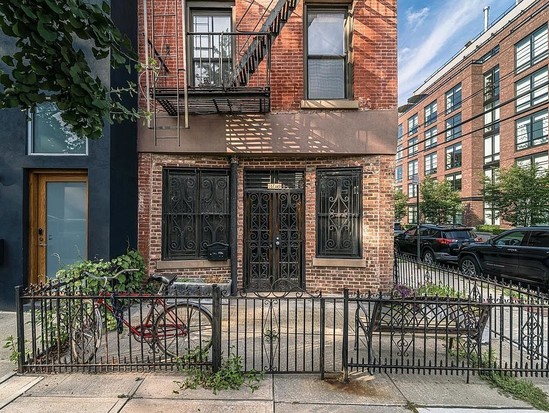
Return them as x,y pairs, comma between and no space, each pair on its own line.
438,242
520,254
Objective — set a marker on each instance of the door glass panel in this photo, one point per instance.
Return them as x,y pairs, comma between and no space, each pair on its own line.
65,224
513,239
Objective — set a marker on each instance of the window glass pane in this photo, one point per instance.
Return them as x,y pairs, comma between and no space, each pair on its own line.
325,33
539,239
514,238
50,135
326,79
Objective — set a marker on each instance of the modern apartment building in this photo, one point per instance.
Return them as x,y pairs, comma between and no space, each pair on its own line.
269,156
484,109
65,199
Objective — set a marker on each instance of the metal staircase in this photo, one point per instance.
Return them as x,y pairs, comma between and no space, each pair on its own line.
244,87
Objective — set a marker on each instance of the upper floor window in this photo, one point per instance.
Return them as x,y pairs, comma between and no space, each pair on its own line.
431,163
412,146
413,124
531,130
49,135
453,98
455,181
412,190
531,90
431,137
211,52
540,160
453,156
491,85
195,212
339,213
412,214
413,169
327,51
532,49
491,118
430,113
399,152
398,173
453,127
400,132
491,148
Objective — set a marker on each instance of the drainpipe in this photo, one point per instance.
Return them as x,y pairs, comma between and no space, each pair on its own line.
234,222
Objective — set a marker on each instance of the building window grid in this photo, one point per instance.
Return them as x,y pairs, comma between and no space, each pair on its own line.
491,85
430,163
413,146
532,49
413,124
453,127
412,214
430,113
531,90
412,190
455,180
453,156
413,169
531,130
541,160
430,138
453,98
491,149
399,152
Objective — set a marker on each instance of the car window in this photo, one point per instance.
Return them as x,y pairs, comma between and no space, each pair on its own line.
425,232
411,232
513,238
539,239
459,234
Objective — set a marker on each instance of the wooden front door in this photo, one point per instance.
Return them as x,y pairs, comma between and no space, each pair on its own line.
58,222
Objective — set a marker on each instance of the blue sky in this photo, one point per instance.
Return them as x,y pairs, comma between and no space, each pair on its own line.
431,32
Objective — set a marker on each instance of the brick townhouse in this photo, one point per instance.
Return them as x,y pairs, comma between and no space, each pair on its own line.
486,108
269,155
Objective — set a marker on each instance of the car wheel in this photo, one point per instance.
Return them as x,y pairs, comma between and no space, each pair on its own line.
429,257
469,266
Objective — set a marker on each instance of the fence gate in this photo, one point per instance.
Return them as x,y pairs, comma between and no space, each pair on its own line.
273,231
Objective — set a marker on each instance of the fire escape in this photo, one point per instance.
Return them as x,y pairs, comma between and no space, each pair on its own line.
197,72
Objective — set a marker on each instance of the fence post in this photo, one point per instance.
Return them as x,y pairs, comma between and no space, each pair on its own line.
322,338
20,320
216,328
345,347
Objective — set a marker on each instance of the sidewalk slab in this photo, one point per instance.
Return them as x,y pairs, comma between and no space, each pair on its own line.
361,390
87,386
453,391
202,406
332,408
14,387
61,404
164,386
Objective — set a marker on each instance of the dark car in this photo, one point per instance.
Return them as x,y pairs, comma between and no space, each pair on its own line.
520,254
438,242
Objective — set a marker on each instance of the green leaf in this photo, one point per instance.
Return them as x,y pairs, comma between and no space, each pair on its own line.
48,35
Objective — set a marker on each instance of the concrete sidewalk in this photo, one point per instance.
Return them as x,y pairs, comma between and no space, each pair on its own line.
289,393
156,392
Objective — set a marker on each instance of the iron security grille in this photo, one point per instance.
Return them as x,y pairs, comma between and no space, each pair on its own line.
195,212
339,213
274,180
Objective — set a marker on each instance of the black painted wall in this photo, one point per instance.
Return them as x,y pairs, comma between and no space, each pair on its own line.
112,178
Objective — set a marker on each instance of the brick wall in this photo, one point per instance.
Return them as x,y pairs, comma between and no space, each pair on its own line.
374,46
374,273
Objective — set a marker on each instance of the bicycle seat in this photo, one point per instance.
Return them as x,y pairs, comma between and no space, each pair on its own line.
164,278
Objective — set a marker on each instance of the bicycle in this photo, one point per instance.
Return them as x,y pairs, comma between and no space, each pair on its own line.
177,329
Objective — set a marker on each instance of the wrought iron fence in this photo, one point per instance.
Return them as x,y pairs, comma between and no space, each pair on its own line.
435,320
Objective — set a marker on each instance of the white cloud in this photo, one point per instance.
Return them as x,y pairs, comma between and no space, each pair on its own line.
415,18
453,20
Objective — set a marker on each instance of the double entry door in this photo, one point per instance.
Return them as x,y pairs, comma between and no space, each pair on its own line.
273,231
58,222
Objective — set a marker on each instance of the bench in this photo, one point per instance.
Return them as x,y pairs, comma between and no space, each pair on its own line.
449,318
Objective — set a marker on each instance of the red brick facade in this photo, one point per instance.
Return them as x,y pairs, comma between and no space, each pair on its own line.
469,71
266,142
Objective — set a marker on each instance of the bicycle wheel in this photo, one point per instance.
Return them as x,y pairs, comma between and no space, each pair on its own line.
183,328
86,332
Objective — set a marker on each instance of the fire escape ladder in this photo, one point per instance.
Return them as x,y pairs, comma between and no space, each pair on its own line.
259,47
